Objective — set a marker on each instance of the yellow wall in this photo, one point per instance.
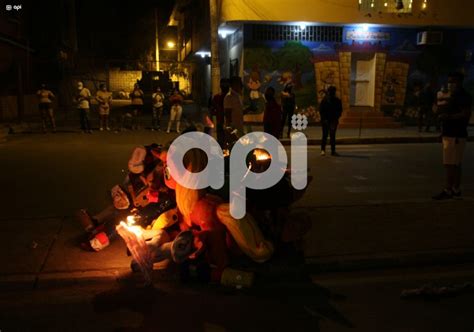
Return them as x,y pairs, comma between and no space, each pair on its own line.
440,12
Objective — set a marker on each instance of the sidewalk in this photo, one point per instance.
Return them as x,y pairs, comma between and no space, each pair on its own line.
68,123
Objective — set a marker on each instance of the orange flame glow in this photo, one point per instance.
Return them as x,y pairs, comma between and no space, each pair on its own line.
261,154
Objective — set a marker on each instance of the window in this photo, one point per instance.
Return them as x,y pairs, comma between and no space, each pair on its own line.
313,33
387,6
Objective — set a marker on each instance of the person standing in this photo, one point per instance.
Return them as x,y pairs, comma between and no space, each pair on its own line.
454,120
104,98
137,97
233,106
442,99
176,101
157,111
45,105
217,109
272,116
427,101
82,99
288,104
330,111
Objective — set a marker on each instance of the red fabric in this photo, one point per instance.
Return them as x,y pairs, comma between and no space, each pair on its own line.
218,107
176,99
212,231
272,118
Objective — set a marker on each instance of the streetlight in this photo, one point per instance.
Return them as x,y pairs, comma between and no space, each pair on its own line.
171,44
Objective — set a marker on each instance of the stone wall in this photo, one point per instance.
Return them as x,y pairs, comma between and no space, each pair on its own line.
327,74
398,73
345,72
123,79
380,59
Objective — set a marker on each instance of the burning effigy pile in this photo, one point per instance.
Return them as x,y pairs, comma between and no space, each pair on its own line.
160,219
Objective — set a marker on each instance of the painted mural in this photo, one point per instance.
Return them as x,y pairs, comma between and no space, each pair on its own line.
278,65
402,68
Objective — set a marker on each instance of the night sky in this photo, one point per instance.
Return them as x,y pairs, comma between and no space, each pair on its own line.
105,29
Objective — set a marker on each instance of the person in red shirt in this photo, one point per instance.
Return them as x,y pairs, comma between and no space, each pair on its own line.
273,114
217,109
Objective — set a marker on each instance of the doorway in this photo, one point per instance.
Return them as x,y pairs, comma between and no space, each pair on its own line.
363,79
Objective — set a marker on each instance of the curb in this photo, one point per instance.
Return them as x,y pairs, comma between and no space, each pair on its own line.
400,260
51,280
378,140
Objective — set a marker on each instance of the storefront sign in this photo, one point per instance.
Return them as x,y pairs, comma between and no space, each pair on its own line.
367,35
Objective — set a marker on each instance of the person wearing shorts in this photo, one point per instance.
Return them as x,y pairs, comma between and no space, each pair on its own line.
45,106
455,119
158,99
176,101
104,98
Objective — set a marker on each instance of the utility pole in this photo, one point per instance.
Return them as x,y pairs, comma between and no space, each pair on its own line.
215,64
157,45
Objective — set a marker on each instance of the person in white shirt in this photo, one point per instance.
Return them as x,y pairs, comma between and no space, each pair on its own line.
104,98
45,105
158,99
83,97
233,106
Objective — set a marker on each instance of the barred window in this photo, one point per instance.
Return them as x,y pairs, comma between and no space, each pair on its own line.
314,33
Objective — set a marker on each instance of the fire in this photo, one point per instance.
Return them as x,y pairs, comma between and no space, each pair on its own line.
261,154
130,225
226,152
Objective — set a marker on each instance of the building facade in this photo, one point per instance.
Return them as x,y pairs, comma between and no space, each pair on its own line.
374,52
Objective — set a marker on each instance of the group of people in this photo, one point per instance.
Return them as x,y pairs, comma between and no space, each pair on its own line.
228,110
83,98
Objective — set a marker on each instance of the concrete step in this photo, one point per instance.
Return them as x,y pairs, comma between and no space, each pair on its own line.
366,120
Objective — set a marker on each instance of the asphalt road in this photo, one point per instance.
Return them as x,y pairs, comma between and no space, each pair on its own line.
363,301
45,178
53,175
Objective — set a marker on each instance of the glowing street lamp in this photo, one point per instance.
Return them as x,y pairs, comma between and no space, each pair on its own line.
171,44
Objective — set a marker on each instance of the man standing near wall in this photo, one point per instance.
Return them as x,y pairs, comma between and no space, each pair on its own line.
82,99
455,120
233,106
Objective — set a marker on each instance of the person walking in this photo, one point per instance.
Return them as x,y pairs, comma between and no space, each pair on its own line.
104,98
233,106
272,123
158,99
176,101
82,99
45,106
455,120
217,110
288,105
330,111
137,97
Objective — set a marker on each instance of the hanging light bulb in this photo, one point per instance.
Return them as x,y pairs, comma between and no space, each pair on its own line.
372,4
424,4
410,4
385,4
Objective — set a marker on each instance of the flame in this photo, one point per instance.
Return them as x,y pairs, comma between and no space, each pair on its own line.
130,225
261,154
226,152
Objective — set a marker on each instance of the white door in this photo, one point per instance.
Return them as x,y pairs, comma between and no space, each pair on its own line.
365,82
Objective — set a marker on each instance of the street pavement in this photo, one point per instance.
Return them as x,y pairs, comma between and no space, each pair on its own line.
370,208
357,301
